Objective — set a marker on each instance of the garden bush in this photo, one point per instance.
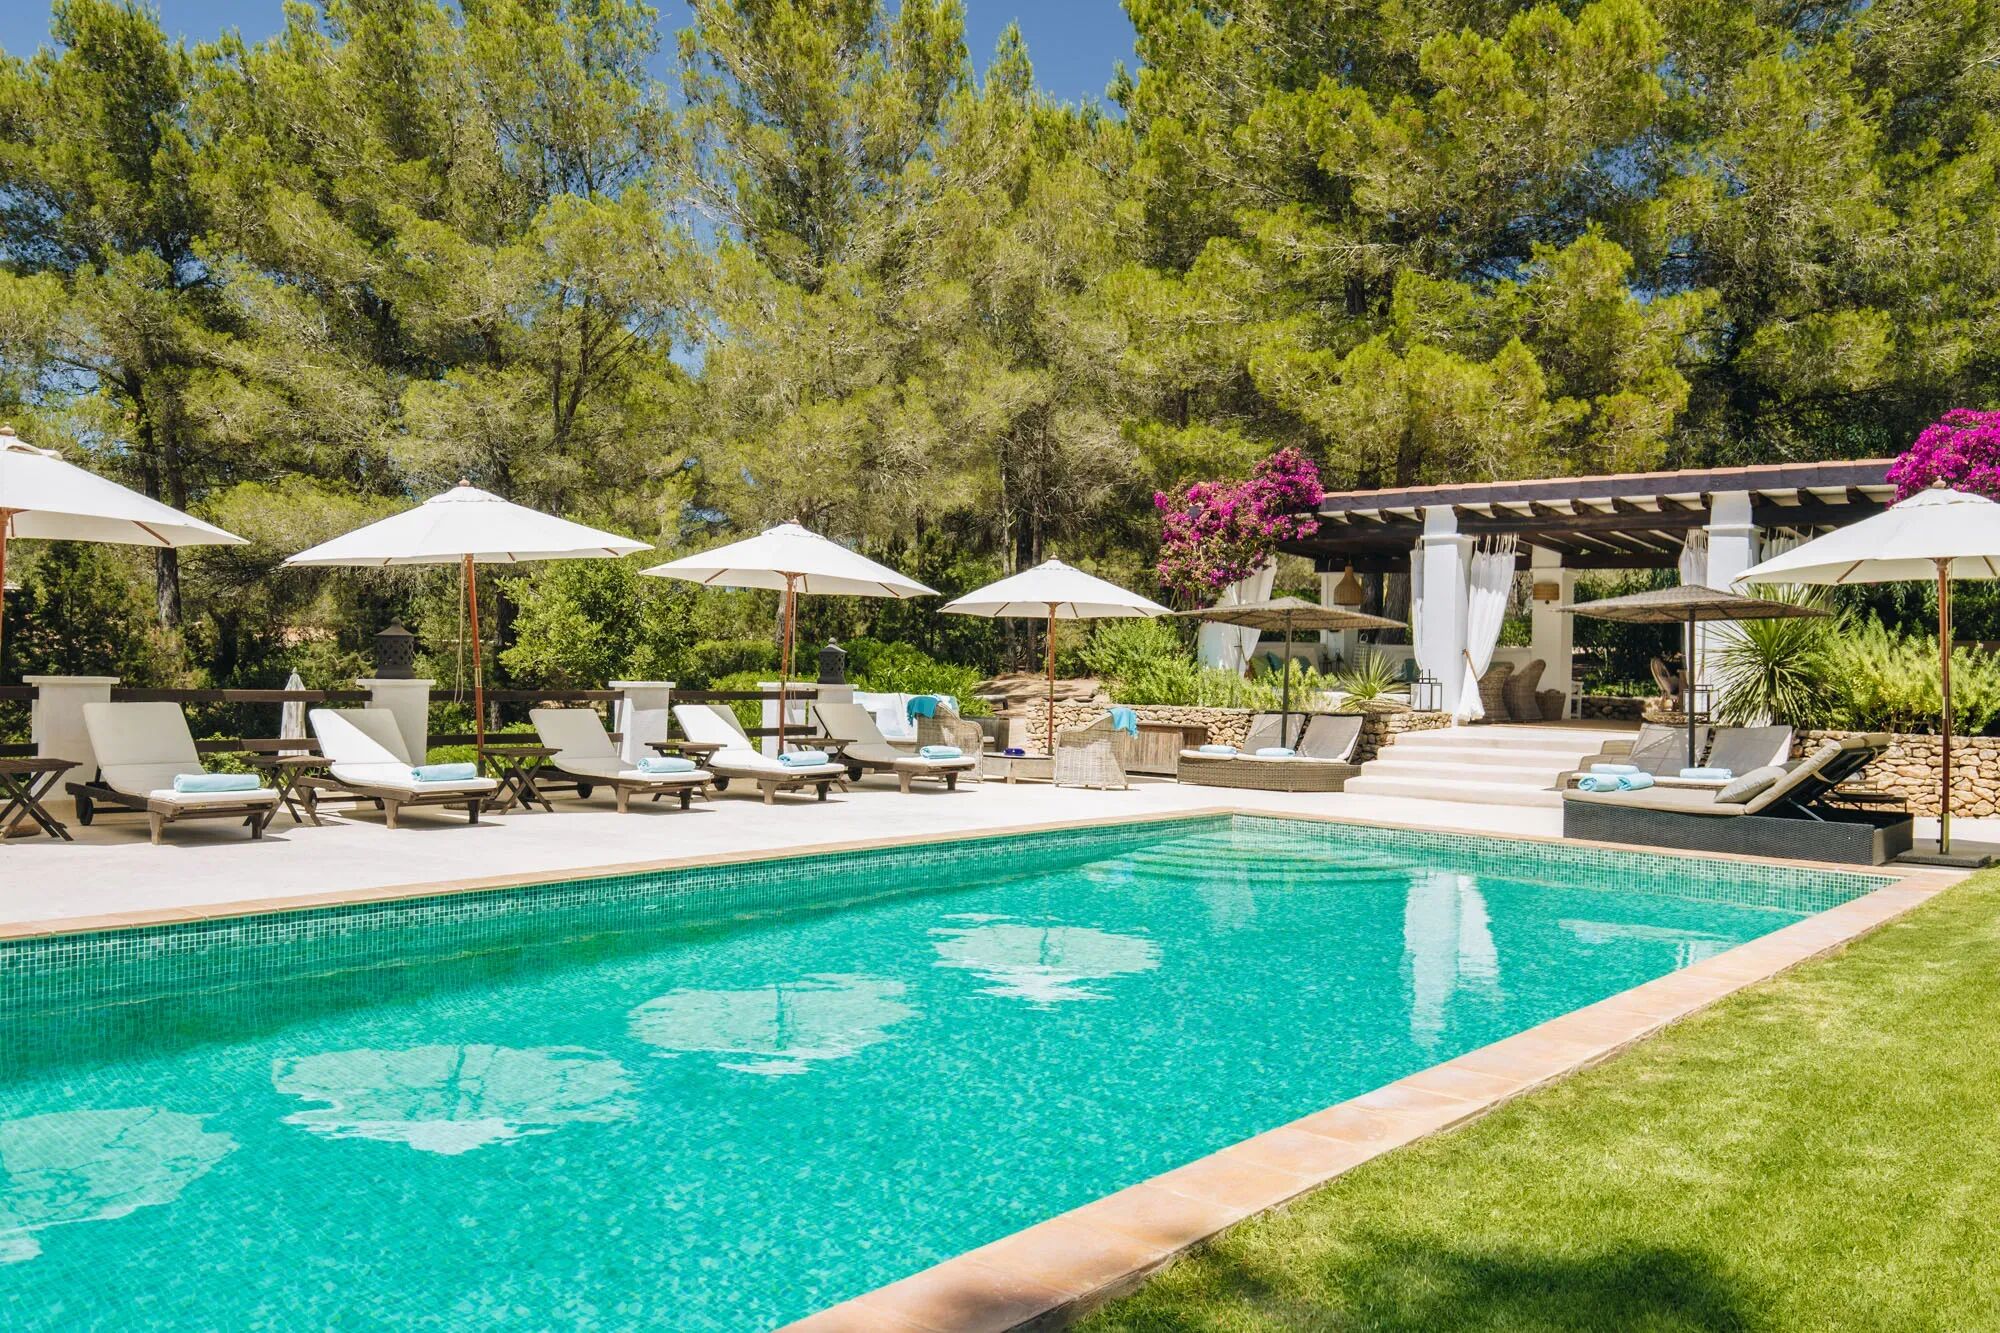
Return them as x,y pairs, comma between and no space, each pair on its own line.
898,668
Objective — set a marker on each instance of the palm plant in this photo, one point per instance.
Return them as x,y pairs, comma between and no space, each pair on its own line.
1371,677
1779,669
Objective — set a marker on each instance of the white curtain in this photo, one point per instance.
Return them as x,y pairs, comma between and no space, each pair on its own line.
1488,584
1776,541
1694,557
1230,646
1417,646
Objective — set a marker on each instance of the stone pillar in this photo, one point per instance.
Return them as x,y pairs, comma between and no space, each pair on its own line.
409,701
1439,632
55,720
1732,548
641,716
1552,632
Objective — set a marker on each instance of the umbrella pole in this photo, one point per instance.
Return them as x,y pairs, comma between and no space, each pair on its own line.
785,661
1285,707
1049,717
6,527
478,678
1687,690
1944,685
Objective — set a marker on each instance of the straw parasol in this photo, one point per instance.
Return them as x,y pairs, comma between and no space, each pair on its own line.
1689,604
1053,591
1939,534
1286,614
468,527
791,559
43,496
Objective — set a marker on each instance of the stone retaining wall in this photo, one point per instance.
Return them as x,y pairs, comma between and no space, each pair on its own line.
1910,769
1622,707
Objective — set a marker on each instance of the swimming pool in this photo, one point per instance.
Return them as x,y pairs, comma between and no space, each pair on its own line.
723,1097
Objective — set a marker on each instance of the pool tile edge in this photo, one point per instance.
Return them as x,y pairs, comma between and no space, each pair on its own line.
1181,1210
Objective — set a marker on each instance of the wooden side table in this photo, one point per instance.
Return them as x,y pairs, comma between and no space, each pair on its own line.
23,783
515,767
284,772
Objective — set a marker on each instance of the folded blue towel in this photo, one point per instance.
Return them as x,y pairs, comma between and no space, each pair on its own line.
1634,781
666,763
188,784
1708,774
1598,782
1275,752
1218,749
920,705
803,758
1125,720
940,752
445,772
1614,769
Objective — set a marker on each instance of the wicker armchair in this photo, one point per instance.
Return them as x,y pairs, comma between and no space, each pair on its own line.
1491,691
1519,692
1087,756
948,728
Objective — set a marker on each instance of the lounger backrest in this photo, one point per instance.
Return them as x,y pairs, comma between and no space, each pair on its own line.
849,722
1740,749
1330,736
140,747
1666,750
701,724
575,733
1266,729
360,736
1806,781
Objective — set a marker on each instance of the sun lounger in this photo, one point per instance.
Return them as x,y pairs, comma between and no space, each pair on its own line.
738,760
863,749
1788,818
366,757
1735,751
1321,758
586,755
1656,748
141,749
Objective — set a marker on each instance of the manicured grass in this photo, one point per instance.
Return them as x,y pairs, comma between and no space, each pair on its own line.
1820,1152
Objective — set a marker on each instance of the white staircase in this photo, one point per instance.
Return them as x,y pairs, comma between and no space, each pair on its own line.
1500,764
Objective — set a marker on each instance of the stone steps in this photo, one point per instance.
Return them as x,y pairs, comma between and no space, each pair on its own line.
1483,765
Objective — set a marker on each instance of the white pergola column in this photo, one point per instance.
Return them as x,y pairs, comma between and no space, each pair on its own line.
1552,632
641,716
1732,548
1341,644
1439,631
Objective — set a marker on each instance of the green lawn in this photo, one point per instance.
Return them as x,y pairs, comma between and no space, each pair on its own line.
1820,1152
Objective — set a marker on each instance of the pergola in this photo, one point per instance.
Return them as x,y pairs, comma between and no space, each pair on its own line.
1641,520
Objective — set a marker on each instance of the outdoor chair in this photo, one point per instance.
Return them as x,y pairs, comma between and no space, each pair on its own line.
1087,756
1492,692
1777,811
1518,691
735,758
367,758
946,727
586,755
141,749
864,749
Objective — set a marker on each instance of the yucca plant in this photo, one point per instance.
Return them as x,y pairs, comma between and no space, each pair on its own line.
1780,669
1371,677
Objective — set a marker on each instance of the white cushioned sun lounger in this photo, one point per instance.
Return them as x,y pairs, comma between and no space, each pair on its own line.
864,748
367,757
141,749
586,754
738,760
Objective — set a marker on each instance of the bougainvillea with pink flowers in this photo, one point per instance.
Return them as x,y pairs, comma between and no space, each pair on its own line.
1961,449
1213,533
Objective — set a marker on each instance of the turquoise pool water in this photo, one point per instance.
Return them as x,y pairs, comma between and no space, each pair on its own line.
722,1099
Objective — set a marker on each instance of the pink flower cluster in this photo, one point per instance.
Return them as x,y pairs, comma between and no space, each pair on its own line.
1961,449
1213,533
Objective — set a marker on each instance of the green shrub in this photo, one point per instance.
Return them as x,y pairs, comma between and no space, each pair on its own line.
750,712
1885,681
1371,677
702,665
1122,650
898,668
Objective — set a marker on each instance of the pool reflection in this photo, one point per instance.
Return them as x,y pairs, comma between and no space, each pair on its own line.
1448,946
783,1028
1042,964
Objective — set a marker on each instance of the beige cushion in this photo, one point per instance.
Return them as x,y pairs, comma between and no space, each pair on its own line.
1742,789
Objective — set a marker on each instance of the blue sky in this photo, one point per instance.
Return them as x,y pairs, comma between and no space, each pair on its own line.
1074,43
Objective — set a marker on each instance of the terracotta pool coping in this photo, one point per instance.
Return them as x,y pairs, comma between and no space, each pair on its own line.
1052,1273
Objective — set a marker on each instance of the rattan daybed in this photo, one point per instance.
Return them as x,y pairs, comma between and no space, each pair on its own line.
1791,818
1321,761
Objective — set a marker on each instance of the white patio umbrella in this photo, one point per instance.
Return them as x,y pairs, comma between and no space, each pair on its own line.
1937,534
1053,591
791,559
468,527
43,496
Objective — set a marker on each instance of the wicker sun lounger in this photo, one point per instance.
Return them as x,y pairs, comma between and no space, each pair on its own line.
141,748
586,756
1789,818
1657,748
1321,762
368,759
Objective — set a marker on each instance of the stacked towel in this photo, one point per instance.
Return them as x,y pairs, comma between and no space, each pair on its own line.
1125,720
445,772
1614,770
1634,781
669,763
940,752
1707,774
188,784
803,758
1218,749
1615,781
1275,752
